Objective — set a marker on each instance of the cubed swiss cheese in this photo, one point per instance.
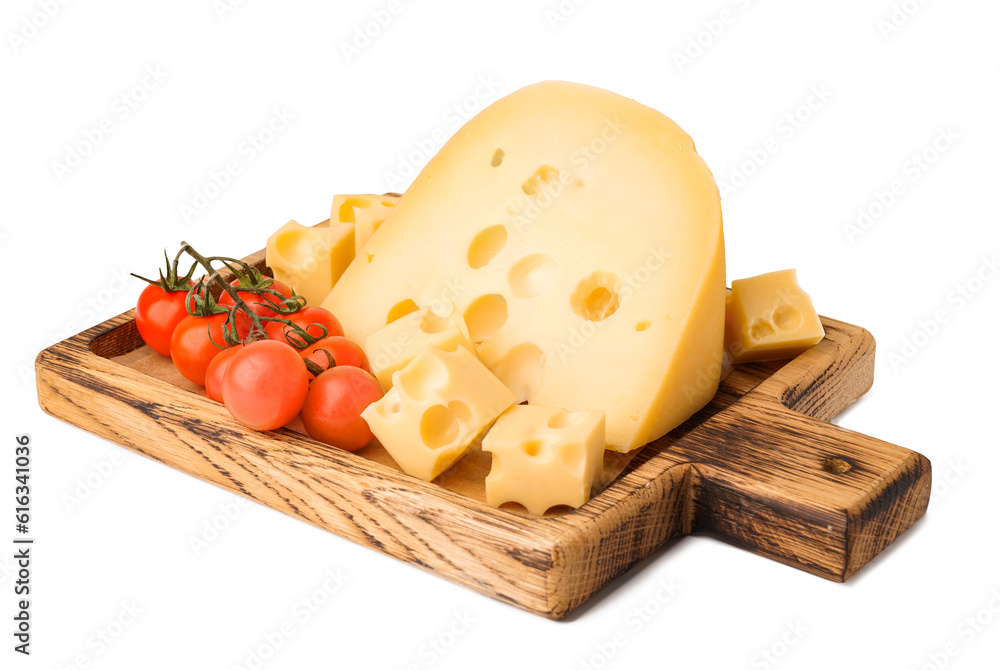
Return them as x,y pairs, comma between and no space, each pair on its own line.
394,345
544,457
770,317
438,405
310,259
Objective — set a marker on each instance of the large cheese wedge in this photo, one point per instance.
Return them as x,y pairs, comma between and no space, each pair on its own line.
580,234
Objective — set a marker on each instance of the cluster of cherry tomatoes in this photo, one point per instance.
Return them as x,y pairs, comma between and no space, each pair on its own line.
265,382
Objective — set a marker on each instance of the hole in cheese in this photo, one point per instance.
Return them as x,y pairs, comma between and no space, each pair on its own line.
531,447
485,245
486,316
532,275
601,303
787,318
401,309
558,420
642,325
421,378
596,296
438,426
545,177
346,211
497,158
298,246
760,329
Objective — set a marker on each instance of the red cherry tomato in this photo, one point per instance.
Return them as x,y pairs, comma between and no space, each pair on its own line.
304,318
216,371
199,339
332,411
265,385
261,304
157,313
343,351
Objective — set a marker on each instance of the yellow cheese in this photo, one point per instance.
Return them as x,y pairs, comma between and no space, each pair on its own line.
544,457
310,260
769,317
366,211
580,235
438,405
394,345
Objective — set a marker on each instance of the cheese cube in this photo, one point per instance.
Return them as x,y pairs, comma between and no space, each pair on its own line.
438,405
580,235
769,317
310,259
366,211
393,346
544,457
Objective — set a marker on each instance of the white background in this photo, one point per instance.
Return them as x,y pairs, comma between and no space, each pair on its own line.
66,237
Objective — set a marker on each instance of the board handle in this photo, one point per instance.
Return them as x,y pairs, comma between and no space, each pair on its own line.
803,491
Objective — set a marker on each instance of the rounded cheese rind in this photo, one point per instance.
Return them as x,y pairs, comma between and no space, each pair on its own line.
612,266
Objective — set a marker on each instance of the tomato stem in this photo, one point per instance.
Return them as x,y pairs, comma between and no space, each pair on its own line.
251,280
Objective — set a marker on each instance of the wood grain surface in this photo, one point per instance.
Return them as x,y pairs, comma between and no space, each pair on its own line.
758,467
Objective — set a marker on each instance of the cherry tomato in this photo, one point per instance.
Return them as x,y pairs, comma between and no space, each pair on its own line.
157,313
265,385
191,348
260,304
305,318
332,411
343,350
216,371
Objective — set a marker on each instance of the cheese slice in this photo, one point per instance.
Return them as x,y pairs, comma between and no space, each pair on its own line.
310,259
544,457
580,235
770,317
438,405
366,211
393,346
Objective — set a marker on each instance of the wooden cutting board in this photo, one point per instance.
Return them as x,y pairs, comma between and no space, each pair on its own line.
758,467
